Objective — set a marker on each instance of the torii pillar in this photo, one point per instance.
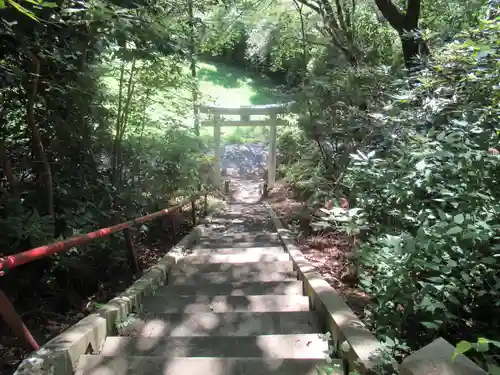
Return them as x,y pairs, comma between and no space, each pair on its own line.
271,156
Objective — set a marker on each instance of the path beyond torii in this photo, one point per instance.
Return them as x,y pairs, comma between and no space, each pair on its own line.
245,113
232,306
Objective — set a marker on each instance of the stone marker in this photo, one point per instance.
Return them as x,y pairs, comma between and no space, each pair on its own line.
435,359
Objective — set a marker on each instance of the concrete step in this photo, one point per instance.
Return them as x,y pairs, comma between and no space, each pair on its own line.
265,250
239,269
234,258
229,243
136,365
229,276
221,324
220,304
237,235
233,289
311,346
240,239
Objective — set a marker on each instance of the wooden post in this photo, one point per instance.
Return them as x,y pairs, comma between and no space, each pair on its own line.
265,190
193,212
226,187
218,152
205,204
131,252
271,161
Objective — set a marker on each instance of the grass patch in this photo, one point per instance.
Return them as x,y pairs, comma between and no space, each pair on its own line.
219,84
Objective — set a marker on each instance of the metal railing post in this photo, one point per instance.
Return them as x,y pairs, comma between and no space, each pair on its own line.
173,226
132,257
193,211
15,322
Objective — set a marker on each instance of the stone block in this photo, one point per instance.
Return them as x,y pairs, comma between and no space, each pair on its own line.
435,359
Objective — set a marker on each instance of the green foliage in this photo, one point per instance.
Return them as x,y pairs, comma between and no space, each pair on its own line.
417,157
94,72
482,346
432,198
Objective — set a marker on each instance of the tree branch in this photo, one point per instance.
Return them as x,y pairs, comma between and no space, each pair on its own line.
392,14
412,14
310,6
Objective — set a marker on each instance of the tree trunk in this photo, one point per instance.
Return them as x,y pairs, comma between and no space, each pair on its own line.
6,166
40,158
192,57
406,25
414,49
116,141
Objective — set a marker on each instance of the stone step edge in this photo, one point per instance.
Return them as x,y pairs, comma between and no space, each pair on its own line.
224,277
219,303
182,268
232,258
292,346
152,324
365,351
174,288
211,366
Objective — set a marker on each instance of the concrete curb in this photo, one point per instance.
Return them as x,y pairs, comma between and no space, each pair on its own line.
60,355
345,327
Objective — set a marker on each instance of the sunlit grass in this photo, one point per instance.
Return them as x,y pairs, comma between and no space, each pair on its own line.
219,84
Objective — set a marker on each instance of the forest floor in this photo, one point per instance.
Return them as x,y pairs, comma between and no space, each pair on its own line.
329,253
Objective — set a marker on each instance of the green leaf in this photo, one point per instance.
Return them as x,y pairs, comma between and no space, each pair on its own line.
454,230
23,10
493,369
421,165
459,219
430,325
2,4
461,348
453,299
442,215
48,5
494,343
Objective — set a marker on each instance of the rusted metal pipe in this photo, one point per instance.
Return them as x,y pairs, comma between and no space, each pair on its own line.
15,322
16,260
7,310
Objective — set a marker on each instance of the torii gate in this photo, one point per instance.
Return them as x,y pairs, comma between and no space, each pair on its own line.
245,113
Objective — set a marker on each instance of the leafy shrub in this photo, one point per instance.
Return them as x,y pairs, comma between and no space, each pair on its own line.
432,198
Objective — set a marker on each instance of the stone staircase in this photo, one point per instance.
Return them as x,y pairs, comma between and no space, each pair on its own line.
232,306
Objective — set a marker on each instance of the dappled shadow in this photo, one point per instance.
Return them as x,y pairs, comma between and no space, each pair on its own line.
213,366
235,289
218,273
228,79
223,318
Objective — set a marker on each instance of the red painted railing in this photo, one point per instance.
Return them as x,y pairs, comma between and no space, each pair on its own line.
7,310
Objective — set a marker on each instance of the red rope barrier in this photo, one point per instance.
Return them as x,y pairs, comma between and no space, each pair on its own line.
7,310
16,260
